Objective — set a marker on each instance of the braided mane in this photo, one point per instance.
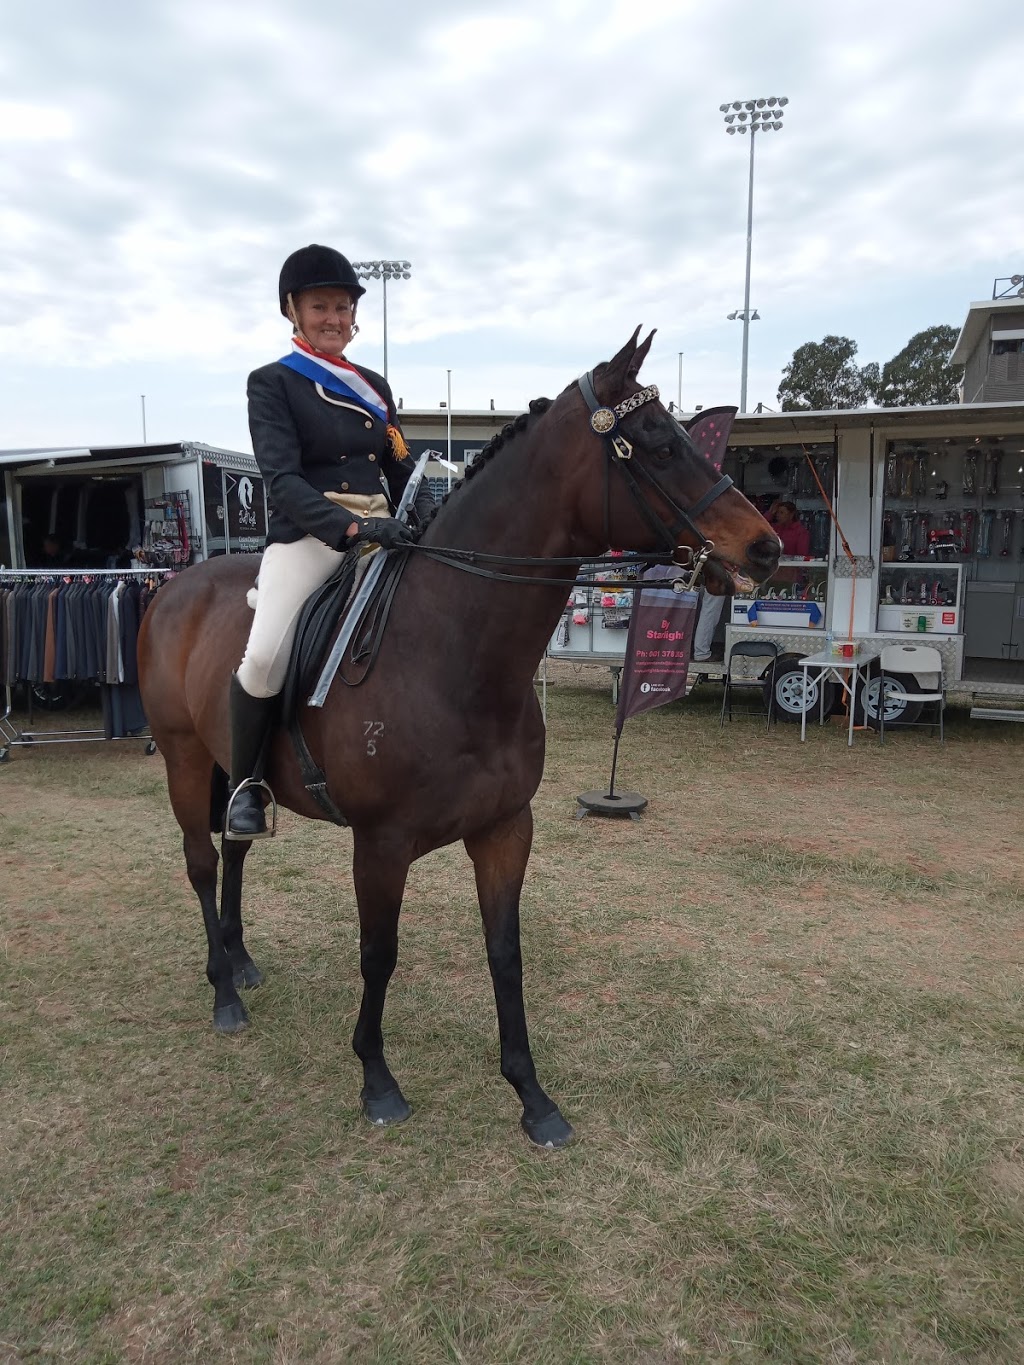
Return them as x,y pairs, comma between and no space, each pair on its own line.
497,442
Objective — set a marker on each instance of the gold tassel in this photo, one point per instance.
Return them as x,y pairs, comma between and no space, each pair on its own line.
396,443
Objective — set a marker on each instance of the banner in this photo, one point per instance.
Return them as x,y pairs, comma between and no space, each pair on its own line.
657,646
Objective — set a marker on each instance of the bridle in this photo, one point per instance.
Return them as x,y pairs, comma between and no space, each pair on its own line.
604,422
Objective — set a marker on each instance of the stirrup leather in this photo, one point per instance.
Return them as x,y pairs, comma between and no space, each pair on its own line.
271,829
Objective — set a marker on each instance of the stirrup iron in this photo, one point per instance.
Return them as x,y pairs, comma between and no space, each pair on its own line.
271,829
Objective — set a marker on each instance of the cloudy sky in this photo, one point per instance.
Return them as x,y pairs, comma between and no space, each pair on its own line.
555,170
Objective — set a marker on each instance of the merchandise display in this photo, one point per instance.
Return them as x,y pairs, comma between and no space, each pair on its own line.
953,540
74,627
168,535
794,599
921,597
771,474
594,621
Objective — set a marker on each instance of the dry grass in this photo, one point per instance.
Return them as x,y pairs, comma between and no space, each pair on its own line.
783,1013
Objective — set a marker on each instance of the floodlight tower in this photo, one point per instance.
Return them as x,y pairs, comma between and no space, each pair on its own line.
384,271
753,117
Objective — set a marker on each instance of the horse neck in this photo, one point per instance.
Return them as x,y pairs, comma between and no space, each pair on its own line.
518,505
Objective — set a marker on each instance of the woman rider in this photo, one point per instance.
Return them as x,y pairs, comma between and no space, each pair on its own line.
326,438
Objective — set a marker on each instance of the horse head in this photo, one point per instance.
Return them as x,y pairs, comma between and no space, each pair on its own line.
656,490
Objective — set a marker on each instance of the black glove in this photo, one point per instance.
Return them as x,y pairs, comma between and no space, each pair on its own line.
383,531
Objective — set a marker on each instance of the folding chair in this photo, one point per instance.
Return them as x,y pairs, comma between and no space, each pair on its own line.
924,663
765,649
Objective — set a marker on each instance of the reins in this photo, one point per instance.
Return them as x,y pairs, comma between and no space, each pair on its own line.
470,561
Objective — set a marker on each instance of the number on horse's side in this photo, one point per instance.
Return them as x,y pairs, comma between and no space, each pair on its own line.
445,740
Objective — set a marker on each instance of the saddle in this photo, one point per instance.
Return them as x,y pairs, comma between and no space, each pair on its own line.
319,622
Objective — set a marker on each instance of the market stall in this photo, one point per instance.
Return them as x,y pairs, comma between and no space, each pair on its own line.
86,535
931,505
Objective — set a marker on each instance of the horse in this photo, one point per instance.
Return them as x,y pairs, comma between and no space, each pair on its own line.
444,741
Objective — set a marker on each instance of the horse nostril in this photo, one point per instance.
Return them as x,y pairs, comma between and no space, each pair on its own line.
763,553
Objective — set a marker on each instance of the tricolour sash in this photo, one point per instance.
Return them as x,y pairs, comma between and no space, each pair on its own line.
337,376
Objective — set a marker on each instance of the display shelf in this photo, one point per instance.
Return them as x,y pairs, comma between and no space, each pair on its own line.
595,621
957,501
794,598
920,598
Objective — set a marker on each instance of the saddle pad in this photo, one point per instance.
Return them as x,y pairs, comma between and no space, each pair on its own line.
318,621
318,624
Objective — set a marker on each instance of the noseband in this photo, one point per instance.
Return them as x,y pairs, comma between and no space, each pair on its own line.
604,421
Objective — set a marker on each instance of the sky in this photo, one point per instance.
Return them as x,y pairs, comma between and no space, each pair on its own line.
556,172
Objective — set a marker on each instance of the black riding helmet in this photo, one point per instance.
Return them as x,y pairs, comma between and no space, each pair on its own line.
313,267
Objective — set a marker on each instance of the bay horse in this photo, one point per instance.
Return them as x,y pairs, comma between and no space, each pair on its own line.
445,739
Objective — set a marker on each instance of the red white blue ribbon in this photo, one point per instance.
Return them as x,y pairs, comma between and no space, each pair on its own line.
337,376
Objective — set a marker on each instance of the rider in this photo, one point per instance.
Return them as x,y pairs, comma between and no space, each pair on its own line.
326,437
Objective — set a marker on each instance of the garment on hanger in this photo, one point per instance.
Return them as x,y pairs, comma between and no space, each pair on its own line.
75,627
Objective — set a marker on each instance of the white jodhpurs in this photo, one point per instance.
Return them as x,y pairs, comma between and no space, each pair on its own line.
288,574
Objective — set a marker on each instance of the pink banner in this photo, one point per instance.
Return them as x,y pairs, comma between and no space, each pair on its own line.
657,646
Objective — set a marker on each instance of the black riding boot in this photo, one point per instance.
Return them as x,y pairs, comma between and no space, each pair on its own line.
251,718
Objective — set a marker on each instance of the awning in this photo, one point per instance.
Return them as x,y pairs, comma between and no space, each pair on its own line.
43,456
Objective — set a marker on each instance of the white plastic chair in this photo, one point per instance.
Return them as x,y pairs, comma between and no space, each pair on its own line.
926,666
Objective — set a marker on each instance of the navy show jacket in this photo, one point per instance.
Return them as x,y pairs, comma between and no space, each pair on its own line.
308,442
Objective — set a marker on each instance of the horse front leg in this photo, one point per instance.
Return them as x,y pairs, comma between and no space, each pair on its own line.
499,860
379,872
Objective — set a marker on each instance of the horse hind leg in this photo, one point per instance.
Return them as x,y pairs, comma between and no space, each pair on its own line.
245,973
379,874
189,775
499,857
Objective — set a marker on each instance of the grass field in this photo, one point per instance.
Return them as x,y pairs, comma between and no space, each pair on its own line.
784,1014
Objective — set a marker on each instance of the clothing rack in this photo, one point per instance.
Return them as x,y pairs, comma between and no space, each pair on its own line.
11,733
65,572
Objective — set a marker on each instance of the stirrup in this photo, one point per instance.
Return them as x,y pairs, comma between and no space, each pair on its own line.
271,829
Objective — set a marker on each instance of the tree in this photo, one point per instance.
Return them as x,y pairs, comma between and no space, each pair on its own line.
921,374
824,375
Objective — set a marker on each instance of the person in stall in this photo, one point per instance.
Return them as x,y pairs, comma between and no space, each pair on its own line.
53,555
785,522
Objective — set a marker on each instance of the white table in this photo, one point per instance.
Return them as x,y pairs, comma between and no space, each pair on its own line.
848,674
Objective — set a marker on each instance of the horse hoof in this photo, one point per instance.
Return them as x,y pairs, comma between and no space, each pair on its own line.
384,1110
231,1018
550,1131
247,976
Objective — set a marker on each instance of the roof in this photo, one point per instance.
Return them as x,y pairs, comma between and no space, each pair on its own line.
750,423
36,455
978,315
936,414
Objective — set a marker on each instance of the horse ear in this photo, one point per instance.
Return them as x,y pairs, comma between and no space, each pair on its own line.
640,355
612,379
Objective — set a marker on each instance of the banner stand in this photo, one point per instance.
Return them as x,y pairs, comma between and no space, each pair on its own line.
619,804
660,634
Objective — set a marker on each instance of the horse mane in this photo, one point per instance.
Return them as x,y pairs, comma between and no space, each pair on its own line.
497,442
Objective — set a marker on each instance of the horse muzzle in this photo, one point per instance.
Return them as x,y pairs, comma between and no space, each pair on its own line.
723,576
